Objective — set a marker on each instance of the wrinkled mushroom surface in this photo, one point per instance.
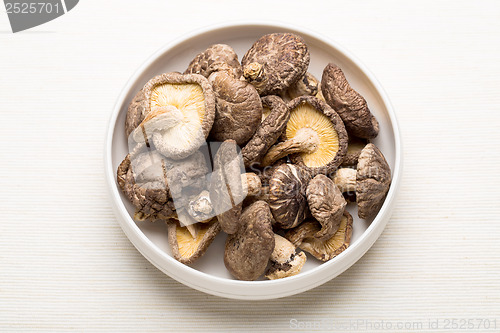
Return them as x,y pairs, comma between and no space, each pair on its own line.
326,204
308,85
213,59
247,252
315,137
186,248
180,111
287,195
135,113
373,181
275,61
324,250
226,188
238,108
348,103
268,131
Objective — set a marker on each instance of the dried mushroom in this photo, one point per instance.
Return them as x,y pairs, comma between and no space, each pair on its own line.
153,183
308,85
315,137
284,261
275,62
268,131
213,59
324,250
354,147
247,252
226,189
200,207
326,204
179,114
252,185
135,113
371,181
187,248
238,108
348,103
287,195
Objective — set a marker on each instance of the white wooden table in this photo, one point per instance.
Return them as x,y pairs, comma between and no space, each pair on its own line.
66,265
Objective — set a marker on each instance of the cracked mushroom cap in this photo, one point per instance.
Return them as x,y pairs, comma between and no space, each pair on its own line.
135,112
373,179
238,108
287,195
326,204
268,131
247,252
324,250
348,103
180,111
275,62
186,248
226,188
213,59
284,261
315,136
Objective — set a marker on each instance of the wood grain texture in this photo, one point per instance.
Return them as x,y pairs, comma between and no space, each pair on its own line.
66,265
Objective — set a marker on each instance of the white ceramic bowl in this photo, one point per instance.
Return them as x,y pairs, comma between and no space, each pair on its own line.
209,274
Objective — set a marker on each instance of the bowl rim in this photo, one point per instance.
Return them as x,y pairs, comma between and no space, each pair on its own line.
179,271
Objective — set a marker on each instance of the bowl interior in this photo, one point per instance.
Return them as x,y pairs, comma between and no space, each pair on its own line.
177,58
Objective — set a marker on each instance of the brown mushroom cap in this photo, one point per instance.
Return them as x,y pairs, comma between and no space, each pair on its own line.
308,85
315,137
348,103
247,252
268,131
238,108
284,261
354,147
326,204
213,59
226,189
287,195
185,247
191,99
373,180
135,113
324,250
275,61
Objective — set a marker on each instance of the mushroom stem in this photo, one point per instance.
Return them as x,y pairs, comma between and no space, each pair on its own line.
200,208
253,71
345,179
187,221
251,182
305,141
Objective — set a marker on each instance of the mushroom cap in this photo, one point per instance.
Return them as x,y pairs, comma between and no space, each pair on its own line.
193,96
307,85
282,59
324,250
348,103
313,113
247,252
268,131
156,186
373,179
284,261
238,108
135,112
226,189
152,200
354,147
214,58
187,249
287,195
326,204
